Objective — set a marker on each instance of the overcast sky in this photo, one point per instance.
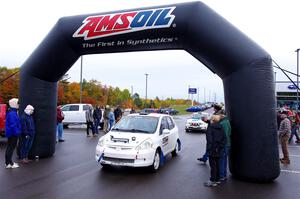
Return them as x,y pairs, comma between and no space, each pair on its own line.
274,25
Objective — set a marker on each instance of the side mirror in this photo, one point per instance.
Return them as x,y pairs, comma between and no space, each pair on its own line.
166,131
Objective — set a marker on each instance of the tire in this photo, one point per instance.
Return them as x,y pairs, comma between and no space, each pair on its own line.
176,150
106,166
65,126
156,162
186,130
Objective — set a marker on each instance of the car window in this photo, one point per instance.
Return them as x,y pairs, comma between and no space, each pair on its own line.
163,125
170,123
65,108
86,107
74,108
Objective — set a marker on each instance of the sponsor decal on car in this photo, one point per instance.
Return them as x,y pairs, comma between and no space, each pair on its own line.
120,23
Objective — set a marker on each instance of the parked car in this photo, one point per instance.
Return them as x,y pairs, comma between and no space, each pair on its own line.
3,108
74,113
169,111
139,140
149,110
196,122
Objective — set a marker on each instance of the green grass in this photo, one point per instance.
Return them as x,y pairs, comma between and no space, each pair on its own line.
181,109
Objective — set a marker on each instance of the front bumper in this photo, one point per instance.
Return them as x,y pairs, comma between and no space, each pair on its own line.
200,128
130,158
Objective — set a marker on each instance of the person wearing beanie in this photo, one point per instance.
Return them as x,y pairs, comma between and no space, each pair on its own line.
28,132
284,134
12,132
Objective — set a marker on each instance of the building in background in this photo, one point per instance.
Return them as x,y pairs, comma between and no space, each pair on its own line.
286,93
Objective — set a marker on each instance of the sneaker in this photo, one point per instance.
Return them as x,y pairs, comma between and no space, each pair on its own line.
284,161
61,140
95,135
210,184
8,166
223,179
202,160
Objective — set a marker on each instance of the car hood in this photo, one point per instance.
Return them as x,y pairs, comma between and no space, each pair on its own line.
125,138
195,121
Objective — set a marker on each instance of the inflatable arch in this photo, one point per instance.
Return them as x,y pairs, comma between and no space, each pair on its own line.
245,68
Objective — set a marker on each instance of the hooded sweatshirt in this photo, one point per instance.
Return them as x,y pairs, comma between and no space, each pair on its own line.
27,124
215,138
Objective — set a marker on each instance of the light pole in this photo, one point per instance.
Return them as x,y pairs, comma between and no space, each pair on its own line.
80,97
146,85
297,51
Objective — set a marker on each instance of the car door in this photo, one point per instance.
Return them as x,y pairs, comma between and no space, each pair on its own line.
173,133
67,118
165,143
74,113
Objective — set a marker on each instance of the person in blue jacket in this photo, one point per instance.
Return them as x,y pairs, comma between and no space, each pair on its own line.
28,131
111,119
12,132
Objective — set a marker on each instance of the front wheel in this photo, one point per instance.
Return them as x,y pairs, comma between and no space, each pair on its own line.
176,150
156,162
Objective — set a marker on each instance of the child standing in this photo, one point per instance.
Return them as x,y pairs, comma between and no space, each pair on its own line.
28,132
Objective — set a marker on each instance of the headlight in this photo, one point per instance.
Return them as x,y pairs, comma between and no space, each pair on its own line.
145,145
101,142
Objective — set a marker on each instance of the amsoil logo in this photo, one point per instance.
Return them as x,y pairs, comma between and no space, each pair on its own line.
119,23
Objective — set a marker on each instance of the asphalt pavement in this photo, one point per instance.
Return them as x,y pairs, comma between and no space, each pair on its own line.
73,173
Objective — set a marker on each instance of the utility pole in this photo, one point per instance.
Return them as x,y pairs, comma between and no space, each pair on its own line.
297,51
81,61
146,85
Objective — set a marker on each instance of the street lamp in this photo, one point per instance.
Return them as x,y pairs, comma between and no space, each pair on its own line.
297,51
80,97
146,84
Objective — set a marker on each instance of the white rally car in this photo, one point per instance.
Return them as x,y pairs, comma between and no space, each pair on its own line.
139,140
196,122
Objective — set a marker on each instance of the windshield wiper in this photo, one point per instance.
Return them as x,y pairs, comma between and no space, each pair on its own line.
117,129
138,130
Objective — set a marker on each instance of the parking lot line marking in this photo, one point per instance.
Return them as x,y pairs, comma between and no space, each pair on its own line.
290,171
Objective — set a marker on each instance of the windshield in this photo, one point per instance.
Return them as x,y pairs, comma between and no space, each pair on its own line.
137,124
197,116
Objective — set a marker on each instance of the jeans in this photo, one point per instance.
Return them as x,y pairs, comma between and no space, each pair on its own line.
223,162
294,132
97,123
26,145
59,131
205,156
106,126
11,145
111,123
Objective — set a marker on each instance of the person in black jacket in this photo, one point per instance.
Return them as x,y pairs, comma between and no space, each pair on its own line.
215,138
97,118
118,113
